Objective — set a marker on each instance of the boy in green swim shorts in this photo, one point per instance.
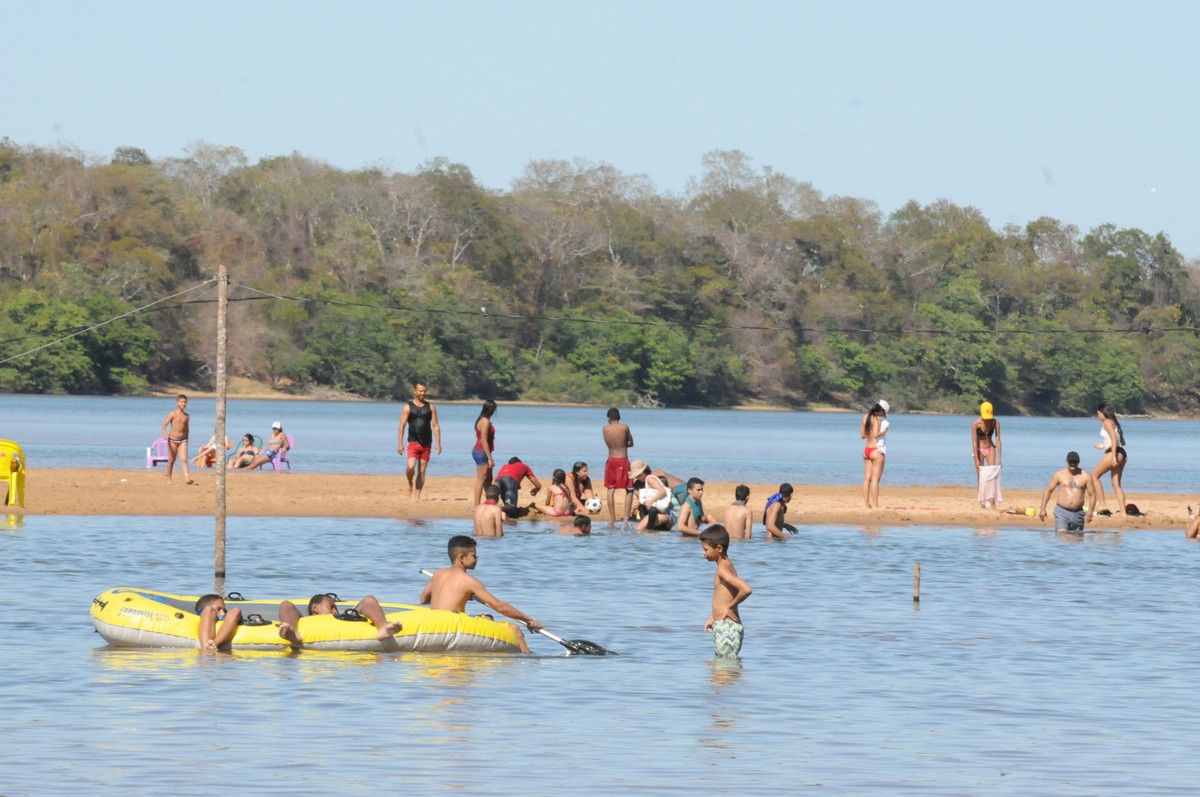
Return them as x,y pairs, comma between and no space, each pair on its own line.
729,591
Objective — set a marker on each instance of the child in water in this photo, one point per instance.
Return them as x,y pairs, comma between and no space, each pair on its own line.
729,591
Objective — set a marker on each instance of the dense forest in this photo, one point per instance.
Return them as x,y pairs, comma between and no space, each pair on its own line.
579,284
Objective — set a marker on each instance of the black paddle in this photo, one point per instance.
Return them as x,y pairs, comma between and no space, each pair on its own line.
576,647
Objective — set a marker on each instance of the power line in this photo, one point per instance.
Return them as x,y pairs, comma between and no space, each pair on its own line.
83,330
263,295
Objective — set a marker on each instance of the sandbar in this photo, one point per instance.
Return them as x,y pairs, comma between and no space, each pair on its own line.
108,491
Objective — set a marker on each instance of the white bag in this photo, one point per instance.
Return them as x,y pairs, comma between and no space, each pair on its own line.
647,493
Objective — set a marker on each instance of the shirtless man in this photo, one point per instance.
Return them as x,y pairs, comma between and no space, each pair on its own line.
1078,488
489,516
738,519
451,587
175,431
616,467
420,416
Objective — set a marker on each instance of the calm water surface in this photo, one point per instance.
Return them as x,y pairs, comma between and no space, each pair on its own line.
721,445
1036,664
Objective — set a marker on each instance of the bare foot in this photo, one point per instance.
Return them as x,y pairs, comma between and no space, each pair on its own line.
289,633
389,630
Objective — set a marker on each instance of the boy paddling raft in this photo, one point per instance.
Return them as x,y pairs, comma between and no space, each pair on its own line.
450,588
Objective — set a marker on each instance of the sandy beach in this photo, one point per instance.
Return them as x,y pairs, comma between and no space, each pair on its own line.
106,491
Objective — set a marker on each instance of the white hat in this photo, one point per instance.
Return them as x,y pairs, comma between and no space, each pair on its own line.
886,407
277,425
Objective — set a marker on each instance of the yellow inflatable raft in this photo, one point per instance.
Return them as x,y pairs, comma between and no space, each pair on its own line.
128,617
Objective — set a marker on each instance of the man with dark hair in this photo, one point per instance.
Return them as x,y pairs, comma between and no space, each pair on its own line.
616,468
509,479
420,416
1078,487
738,520
451,587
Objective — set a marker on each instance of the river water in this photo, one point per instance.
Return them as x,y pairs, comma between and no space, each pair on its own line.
1034,663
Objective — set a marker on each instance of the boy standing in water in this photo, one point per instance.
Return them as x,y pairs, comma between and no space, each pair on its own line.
729,591
177,437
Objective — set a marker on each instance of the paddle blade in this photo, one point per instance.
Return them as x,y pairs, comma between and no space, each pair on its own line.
581,647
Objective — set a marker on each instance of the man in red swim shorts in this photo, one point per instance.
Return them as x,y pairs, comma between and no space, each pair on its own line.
616,467
420,416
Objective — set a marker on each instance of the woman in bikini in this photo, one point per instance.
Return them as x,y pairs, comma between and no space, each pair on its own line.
482,453
874,427
1112,443
558,500
579,487
985,438
245,453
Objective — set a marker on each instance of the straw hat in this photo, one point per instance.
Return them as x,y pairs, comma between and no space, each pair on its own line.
638,468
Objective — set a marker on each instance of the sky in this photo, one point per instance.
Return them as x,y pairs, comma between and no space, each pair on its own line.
1085,112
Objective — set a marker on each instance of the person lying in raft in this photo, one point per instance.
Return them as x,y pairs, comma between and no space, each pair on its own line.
451,587
323,603
211,608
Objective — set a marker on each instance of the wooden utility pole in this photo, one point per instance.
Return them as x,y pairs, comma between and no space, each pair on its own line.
222,305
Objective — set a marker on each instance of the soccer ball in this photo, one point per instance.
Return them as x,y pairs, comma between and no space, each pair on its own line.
593,505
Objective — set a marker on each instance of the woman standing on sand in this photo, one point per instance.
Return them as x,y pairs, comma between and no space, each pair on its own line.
1112,442
485,439
985,438
874,427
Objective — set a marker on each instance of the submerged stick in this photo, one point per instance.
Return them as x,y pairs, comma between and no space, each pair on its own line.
917,582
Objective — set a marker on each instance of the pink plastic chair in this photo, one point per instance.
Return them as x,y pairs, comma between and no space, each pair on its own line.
285,457
156,453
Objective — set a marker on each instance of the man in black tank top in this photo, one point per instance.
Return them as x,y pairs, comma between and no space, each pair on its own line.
420,416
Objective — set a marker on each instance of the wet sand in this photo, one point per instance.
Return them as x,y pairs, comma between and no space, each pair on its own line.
105,491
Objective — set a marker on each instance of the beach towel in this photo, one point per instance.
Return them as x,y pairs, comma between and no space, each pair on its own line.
989,485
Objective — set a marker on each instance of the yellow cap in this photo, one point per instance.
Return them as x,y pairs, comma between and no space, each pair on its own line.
985,410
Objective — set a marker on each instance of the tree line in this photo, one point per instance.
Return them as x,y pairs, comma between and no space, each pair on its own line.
579,284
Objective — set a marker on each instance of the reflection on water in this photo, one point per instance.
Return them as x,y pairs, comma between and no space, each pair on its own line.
1038,663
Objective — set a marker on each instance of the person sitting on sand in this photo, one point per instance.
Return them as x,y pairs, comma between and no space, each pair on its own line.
211,609
451,587
324,603
489,517
659,510
558,501
579,487
581,526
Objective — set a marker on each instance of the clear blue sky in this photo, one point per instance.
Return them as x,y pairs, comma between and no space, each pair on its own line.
1083,111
